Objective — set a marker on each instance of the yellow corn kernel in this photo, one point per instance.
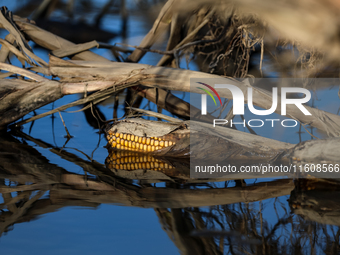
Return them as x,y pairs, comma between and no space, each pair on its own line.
121,136
128,137
152,141
117,134
156,143
132,137
140,139
161,143
166,143
143,140
118,146
148,141
124,136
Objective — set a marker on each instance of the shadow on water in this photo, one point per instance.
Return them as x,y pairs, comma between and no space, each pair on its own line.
251,217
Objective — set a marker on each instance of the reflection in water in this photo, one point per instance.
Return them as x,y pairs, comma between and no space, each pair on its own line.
147,167
200,218
317,200
128,160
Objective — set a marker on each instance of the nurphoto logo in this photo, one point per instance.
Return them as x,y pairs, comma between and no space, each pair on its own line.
238,104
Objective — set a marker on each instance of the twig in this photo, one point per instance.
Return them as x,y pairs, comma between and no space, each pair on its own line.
187,39
72,50
156,115
6,19
94,115
23,72
15,51
261,60
96,96
68,134
304,126
181,45
162,52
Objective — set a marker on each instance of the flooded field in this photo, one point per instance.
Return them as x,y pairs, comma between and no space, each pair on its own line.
64,194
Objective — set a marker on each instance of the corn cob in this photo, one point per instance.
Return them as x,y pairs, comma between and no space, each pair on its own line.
136,143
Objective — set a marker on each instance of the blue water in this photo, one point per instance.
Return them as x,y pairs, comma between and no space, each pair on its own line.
115,229
105,230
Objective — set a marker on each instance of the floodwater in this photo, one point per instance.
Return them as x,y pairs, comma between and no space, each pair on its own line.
58,197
